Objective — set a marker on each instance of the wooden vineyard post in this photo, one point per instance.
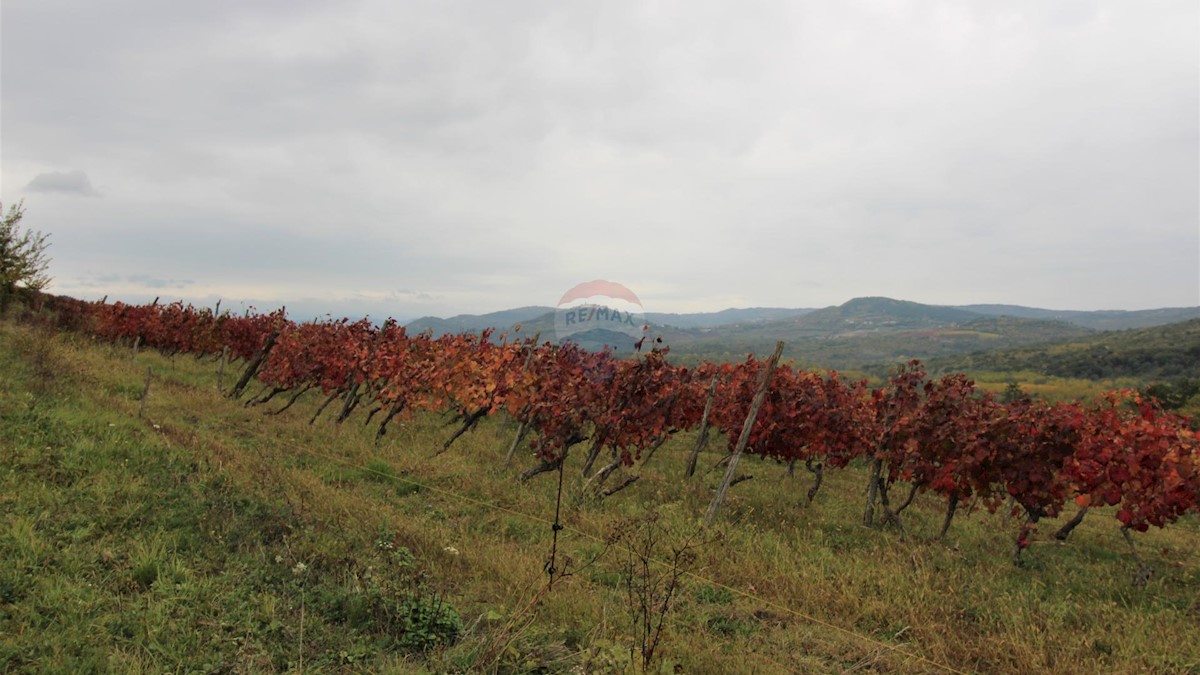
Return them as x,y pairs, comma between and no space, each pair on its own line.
145,391
221,368
702,439
759,395
351,400
873,489
252,367
522,430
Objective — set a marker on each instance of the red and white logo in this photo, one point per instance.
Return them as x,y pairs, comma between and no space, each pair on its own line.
599,306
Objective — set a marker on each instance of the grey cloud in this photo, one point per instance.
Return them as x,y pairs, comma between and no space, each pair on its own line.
71,182
148,281
495,154
101,281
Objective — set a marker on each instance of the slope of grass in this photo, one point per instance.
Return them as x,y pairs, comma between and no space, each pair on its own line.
127,550
205,536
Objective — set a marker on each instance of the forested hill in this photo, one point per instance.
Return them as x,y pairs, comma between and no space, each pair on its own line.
1105,319
1164,352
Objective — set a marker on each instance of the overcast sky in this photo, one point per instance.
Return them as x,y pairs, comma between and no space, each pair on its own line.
408,158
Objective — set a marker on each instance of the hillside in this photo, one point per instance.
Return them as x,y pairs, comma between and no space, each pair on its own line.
874,314
195,530
190,529
867,332
1155,353
1097,319
502,320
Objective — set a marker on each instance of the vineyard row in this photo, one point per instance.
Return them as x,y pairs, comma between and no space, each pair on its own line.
917,434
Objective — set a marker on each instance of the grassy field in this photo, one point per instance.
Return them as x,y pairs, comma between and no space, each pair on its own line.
203,536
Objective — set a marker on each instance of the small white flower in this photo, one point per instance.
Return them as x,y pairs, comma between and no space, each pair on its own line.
451,550
157,427
300,568
278,558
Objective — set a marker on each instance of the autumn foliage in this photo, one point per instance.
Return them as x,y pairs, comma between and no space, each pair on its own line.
937,435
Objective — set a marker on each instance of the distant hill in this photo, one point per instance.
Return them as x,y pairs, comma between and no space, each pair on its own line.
1027,330
472,323
1106,319
869,332
867,313
1155,353
535,316
874,314
599,338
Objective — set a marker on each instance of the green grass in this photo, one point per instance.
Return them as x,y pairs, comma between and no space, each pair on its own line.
205,537
126,551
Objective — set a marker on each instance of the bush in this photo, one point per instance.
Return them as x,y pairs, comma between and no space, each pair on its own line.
23,260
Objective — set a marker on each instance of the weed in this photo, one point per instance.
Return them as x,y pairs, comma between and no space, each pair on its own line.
652,567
